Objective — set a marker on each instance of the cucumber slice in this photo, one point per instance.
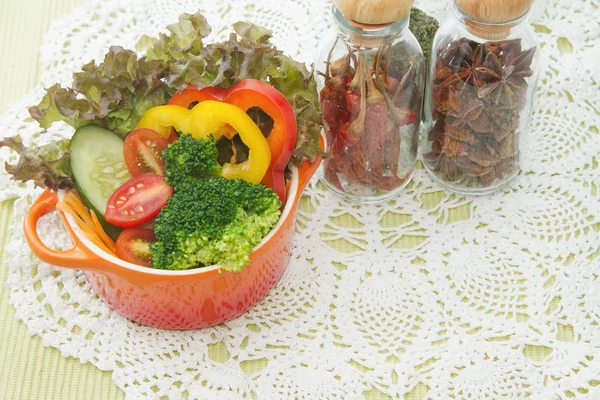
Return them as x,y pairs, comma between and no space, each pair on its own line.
98,169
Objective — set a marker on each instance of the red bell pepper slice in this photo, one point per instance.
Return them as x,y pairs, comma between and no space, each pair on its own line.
253,93
190,96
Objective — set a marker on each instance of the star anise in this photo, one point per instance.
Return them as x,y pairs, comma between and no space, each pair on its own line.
493,47
489,178
465,71
495,81
478,94
506,46
522,66
448,168
508,147
483,124
478,170
453,148
441,99
457,52
484,155
471,168
505,166
464,102
442,72
436,137
505,83
503,121
510,47
461,135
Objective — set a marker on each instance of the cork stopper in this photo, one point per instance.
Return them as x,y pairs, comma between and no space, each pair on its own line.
374,13
494,11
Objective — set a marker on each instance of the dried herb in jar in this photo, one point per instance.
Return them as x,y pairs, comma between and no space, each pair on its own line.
478,94
363,110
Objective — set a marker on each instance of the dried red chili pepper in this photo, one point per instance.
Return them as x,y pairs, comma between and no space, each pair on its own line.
356,99
331,105
365,139
376,128
332,96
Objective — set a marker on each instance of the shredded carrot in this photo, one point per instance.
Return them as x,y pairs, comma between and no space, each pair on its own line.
89,234
87,221
100,244
73,200
68,210
100,231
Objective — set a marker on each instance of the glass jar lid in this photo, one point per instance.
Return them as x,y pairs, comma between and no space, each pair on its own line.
374,12
494,11
367,36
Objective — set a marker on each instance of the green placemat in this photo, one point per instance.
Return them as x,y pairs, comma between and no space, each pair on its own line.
28,369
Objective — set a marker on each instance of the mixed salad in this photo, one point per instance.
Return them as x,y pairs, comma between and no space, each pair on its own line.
180,158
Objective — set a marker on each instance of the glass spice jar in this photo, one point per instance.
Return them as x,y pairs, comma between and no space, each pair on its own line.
370,77
479,96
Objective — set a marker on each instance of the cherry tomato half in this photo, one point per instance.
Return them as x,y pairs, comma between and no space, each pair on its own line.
133,245
138,201
142,151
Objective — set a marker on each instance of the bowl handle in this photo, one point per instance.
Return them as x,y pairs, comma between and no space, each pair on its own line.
78,257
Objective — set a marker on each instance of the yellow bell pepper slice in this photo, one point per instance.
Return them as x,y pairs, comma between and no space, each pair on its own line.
214,117
217,119
162,118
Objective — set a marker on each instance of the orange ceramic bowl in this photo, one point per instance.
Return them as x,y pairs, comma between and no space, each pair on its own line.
189,299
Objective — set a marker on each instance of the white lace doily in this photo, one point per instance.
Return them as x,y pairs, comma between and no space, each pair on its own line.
415,297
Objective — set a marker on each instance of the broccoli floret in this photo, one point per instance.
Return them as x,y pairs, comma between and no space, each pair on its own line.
188,157
213,221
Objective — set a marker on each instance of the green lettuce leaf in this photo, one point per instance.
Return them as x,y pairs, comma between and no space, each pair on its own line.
183,41
62,104
46,166
115,93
